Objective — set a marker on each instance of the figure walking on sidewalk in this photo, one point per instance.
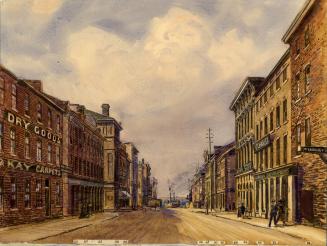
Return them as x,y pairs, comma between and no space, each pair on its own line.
281,212
273,213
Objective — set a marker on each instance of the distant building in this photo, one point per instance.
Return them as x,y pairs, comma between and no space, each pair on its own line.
133,156
198,188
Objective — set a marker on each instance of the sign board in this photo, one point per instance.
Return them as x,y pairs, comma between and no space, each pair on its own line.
314,150
262,143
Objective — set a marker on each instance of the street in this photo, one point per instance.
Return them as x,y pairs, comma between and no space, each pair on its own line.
173,226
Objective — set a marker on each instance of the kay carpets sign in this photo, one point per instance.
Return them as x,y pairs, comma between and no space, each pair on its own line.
35,168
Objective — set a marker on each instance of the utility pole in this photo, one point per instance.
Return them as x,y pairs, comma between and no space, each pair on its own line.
209,137
209,196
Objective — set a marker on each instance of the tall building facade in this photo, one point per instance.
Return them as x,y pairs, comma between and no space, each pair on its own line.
243,107
30,152
110,130
307,38
132,152
276,175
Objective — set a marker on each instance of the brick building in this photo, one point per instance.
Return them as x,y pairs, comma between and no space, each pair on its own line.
307,37
198,188
276,174
30,152
224,175
85,161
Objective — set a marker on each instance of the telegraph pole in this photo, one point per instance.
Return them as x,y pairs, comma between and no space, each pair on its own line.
209,137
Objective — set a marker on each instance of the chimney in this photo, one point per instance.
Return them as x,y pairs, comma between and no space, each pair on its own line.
105,109
36,84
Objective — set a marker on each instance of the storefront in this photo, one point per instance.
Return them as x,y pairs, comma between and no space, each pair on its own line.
275,185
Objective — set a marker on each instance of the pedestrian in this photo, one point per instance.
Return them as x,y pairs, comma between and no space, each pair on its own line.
242,209
281,215
273,213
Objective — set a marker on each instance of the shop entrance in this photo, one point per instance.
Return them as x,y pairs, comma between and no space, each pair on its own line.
47,198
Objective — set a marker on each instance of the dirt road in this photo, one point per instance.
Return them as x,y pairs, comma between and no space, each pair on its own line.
174,226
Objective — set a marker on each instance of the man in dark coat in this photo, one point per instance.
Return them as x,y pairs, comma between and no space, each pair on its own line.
242,209
281,212
273,213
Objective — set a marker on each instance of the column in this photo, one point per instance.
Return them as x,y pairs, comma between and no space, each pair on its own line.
260,198
291,199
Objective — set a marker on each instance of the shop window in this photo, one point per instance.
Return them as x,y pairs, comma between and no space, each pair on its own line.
57,155
39,112
27,146
38,193
13,141
14,97
2,90
307,132
49,118
298,138
285,110
13,193
1,137
39,150
58,194
278,152
307,78
27,197
278,83
1,194
271,120
27,104
278,116
285,150
49,155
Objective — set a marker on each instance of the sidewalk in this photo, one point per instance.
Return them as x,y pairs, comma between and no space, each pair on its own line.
37,231
306,232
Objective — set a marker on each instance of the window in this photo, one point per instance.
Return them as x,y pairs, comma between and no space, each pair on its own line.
285,74
13,193
285,110
57,155
278,152
2,90
271,90
1,137
272,155
271,120
261,126
57,194
27,197
12,141
49,158
265,97
39,150
266,125
27,104
260,102
49,118
278,83
307,79
307,37
1,194
298,138
278,116
266,157
297,47
58,123
285,149
27,146
13,97
39,112
38,192
307,132
257,131
297,81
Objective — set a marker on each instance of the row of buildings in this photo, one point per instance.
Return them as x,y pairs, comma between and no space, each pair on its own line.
59,158
280,133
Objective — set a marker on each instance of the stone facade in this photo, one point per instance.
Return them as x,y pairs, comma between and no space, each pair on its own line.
307,37
30,152
132,153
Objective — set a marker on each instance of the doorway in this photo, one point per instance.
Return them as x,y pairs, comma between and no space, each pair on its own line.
47,198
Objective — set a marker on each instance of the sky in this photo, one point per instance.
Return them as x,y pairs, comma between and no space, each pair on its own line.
168,68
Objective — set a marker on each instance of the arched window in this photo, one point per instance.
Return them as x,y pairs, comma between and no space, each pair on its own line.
307,78
49,118
27,146
39,150
39,112
13,97
13,141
